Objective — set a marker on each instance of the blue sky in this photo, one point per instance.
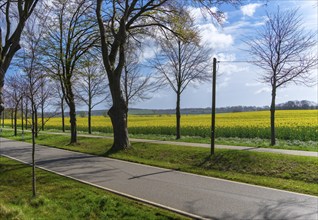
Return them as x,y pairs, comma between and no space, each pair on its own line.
238,83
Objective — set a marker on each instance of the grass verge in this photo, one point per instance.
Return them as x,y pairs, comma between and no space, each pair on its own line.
249,142
63,198
293,173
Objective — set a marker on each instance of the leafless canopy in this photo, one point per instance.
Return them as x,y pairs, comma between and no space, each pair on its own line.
137,85
284,49
182,63
13,16
117,20
91,82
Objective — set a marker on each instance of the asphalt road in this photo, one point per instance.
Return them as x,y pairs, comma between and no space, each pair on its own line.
206,197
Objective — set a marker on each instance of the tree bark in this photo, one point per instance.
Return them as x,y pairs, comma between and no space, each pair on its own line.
26,115
89,120
126,91
73,122
118,115
178,117
89,106
22,119
63,116
15,121
2,73
35,121
34,133
272,110
12,117
42,117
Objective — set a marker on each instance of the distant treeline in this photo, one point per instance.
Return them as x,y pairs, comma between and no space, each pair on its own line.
290,105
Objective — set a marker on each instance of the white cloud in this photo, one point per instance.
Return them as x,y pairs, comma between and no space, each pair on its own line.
211,35
213,38
149,49
249,9
202,16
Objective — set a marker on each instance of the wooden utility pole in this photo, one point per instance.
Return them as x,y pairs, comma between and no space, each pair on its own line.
213,107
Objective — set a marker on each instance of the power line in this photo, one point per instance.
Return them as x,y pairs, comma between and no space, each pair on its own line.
252,61
236,61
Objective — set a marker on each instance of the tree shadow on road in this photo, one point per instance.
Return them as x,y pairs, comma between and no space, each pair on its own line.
283,210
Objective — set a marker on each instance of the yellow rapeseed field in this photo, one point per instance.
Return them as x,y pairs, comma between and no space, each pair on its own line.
291,124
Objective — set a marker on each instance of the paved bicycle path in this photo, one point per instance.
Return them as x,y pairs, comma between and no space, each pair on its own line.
187,144
199,196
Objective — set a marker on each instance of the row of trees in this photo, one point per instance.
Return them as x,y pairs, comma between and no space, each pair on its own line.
62,33
60,51
65,41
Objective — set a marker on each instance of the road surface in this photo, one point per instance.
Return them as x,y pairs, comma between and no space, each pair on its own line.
198,196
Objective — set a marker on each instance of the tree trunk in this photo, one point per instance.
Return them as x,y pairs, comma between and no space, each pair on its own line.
178,116
89,106
22,119
89,120
15,121
36,121
272,110
2,73
126,91
42,117
26,115
63,116
118,115
34,133
12,117
73,122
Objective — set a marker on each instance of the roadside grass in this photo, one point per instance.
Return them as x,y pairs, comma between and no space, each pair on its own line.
63,198
287,172
249,142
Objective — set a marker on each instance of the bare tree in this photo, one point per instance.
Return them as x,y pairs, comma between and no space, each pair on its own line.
14,91
120,20
71,34
91,86
25,111
45,94
9,105
136,85
60,101
13,16
182,61
28,61
285,51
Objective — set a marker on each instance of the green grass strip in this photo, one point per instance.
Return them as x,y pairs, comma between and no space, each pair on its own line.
62,198
287,172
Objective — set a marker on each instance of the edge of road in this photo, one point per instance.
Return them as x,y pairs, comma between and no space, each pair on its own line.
193,216
160,168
